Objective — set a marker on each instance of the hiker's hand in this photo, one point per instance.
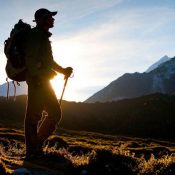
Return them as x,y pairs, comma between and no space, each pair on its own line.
68,71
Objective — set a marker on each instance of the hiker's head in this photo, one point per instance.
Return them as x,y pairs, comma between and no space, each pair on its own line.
44,18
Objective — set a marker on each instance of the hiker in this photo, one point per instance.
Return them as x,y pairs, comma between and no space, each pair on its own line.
42,100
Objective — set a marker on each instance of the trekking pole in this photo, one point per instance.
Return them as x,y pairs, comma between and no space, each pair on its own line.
65,83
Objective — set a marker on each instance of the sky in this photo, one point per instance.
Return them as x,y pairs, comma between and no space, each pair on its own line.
100,39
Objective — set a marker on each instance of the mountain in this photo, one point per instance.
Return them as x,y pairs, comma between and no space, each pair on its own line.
160,79
21,89
156,64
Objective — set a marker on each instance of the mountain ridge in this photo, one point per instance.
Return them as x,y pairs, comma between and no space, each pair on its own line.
131,85
156,64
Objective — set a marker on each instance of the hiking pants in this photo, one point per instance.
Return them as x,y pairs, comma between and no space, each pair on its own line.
38,125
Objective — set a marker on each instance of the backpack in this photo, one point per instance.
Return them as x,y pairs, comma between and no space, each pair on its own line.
14,49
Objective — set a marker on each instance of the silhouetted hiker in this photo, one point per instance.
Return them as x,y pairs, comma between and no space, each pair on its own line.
41,97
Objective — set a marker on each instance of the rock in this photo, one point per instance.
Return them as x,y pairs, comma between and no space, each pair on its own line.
22,171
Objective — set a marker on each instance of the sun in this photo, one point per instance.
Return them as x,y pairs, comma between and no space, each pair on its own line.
70,90
57,84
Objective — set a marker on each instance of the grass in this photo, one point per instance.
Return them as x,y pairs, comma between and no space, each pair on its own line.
85,153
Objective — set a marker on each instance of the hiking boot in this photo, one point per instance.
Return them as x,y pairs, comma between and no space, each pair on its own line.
34,156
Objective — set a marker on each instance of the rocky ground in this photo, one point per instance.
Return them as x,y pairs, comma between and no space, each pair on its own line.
84,153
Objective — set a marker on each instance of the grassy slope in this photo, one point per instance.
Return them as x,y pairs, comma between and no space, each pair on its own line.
80,153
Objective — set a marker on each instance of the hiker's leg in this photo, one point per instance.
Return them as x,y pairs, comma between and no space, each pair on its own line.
31,132
33,115
50,121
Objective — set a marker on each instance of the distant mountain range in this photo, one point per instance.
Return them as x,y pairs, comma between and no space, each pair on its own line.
21,89
160,77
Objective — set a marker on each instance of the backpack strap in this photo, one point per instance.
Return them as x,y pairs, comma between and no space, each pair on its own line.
14,96
7,88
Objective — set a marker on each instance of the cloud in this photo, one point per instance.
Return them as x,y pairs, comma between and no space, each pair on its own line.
114,39
79,8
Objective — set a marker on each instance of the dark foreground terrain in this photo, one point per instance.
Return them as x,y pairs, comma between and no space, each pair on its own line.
77,152
85,153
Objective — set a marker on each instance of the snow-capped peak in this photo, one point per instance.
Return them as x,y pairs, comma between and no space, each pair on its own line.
156,64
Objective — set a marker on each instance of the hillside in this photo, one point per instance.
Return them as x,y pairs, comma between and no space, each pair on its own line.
147,116
161,79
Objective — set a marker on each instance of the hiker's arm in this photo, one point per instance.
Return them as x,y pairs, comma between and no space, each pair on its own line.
66,71
57,67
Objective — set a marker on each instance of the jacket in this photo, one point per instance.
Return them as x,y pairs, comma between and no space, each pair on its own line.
39,59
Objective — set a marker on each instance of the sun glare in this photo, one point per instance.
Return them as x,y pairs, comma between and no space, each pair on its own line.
57,84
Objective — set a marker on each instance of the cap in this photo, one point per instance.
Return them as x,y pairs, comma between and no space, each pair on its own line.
40,13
